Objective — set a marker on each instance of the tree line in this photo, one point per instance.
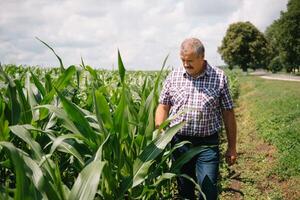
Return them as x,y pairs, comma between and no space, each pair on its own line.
276,49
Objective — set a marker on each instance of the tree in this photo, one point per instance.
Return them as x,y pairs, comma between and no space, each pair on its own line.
284,36
275,65
245,46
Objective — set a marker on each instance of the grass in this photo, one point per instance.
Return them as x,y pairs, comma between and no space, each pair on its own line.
268,142
275,107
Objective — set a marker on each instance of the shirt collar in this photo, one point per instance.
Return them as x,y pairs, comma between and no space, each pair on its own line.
206,72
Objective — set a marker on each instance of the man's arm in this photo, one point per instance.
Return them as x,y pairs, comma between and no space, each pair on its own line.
230,127
161,114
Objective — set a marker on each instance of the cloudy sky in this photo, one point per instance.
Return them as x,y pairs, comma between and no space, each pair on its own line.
144,31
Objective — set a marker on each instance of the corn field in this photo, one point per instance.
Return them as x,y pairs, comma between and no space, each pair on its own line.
80,133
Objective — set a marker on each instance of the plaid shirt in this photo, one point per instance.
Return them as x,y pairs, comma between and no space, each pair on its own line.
204,97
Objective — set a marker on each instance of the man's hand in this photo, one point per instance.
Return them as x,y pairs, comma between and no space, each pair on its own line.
230,156
161,114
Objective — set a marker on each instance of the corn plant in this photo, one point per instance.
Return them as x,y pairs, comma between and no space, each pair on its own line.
233,84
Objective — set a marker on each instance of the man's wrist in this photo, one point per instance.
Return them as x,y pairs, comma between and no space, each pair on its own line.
232,147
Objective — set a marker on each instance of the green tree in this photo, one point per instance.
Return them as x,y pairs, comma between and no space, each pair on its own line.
275,65
284,36
245,46
272,36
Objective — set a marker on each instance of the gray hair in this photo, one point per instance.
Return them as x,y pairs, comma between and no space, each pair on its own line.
194,43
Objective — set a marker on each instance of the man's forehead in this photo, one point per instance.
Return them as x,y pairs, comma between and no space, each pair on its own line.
187,53
187,48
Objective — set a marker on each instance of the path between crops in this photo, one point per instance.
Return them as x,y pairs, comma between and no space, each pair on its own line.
252,177
268,75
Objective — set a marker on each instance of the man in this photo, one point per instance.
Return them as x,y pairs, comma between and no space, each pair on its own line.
203,90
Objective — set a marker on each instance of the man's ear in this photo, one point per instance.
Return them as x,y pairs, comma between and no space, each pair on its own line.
201,56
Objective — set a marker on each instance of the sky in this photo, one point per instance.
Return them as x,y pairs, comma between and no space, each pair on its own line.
144,31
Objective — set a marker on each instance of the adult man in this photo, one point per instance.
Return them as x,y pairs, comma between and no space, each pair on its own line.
203,90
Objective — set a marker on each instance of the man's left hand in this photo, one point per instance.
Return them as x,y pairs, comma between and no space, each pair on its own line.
230,156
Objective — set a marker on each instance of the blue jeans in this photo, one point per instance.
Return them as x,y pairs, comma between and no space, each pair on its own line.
203,168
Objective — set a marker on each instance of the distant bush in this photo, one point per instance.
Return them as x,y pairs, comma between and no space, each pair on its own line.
275,65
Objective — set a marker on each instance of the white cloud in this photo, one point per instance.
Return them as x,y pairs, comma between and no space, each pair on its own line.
144,31
260,13
211,8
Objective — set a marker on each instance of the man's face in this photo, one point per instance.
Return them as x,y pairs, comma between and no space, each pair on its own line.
193,64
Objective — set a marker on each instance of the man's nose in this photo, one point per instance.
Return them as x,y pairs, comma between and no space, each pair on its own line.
185,64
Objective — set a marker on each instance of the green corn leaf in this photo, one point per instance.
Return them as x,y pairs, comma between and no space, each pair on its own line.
43,185
24,134
19,166
38,84
98,155
60,113
31,97
68,124
77,117
86,184
164,176
150,125
121,68
26,113
48,82
197,186
6,77
82,62
168,153
59,59
176,166
5,196
51,122
58,181
146,158
14,112
158,79
59,84
92,72
142,108
59,142
151,103
50,168
4,130
121,117
171,118
102,111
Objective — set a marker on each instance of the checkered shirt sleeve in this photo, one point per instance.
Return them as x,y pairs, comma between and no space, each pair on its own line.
225,97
